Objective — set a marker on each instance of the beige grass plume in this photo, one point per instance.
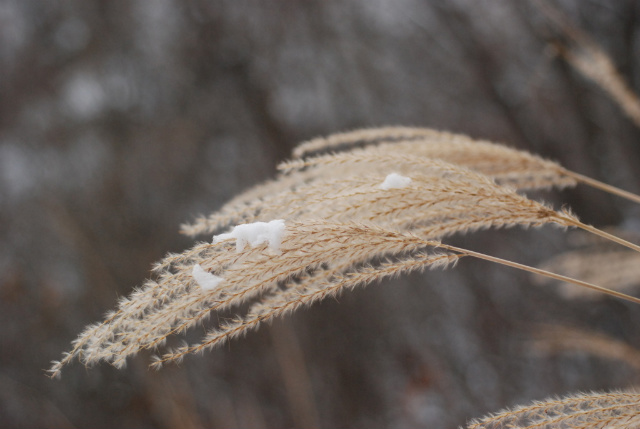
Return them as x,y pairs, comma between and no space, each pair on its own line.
379,214
399,149
451,193
506,165
553,340
596,261
311,263
592,62
615,410
613,269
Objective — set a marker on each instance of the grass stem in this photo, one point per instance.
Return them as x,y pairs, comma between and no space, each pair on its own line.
539,272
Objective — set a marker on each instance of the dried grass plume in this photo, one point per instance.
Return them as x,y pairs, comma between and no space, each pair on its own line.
378,208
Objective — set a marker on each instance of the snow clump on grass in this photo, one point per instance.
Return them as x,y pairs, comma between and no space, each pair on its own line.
254,234
205,280
394,180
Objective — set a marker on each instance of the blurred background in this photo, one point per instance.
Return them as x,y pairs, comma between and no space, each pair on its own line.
119,120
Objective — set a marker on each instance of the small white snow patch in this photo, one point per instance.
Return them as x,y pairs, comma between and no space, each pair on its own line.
206,280
255,234
394,180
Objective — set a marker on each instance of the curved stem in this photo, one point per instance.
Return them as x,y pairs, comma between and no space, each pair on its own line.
539,272
602,234
603,186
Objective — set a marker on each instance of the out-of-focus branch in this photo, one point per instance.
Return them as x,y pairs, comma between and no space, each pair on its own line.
589,59
552,340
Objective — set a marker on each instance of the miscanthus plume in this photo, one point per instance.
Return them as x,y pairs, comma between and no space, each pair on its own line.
345,211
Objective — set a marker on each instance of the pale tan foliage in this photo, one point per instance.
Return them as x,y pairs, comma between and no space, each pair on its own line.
593,62
313,288
615,410
413,150
342,230
506,165
467,199
365,136
596,65
403,150
313,259
552,340
596,261
613,269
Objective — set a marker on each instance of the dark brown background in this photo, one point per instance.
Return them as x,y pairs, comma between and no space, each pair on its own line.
121,119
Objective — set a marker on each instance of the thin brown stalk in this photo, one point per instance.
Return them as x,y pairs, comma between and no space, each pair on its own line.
574,222
542,272
598,262
603,186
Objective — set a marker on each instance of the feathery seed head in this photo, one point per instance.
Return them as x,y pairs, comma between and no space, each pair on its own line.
378,215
